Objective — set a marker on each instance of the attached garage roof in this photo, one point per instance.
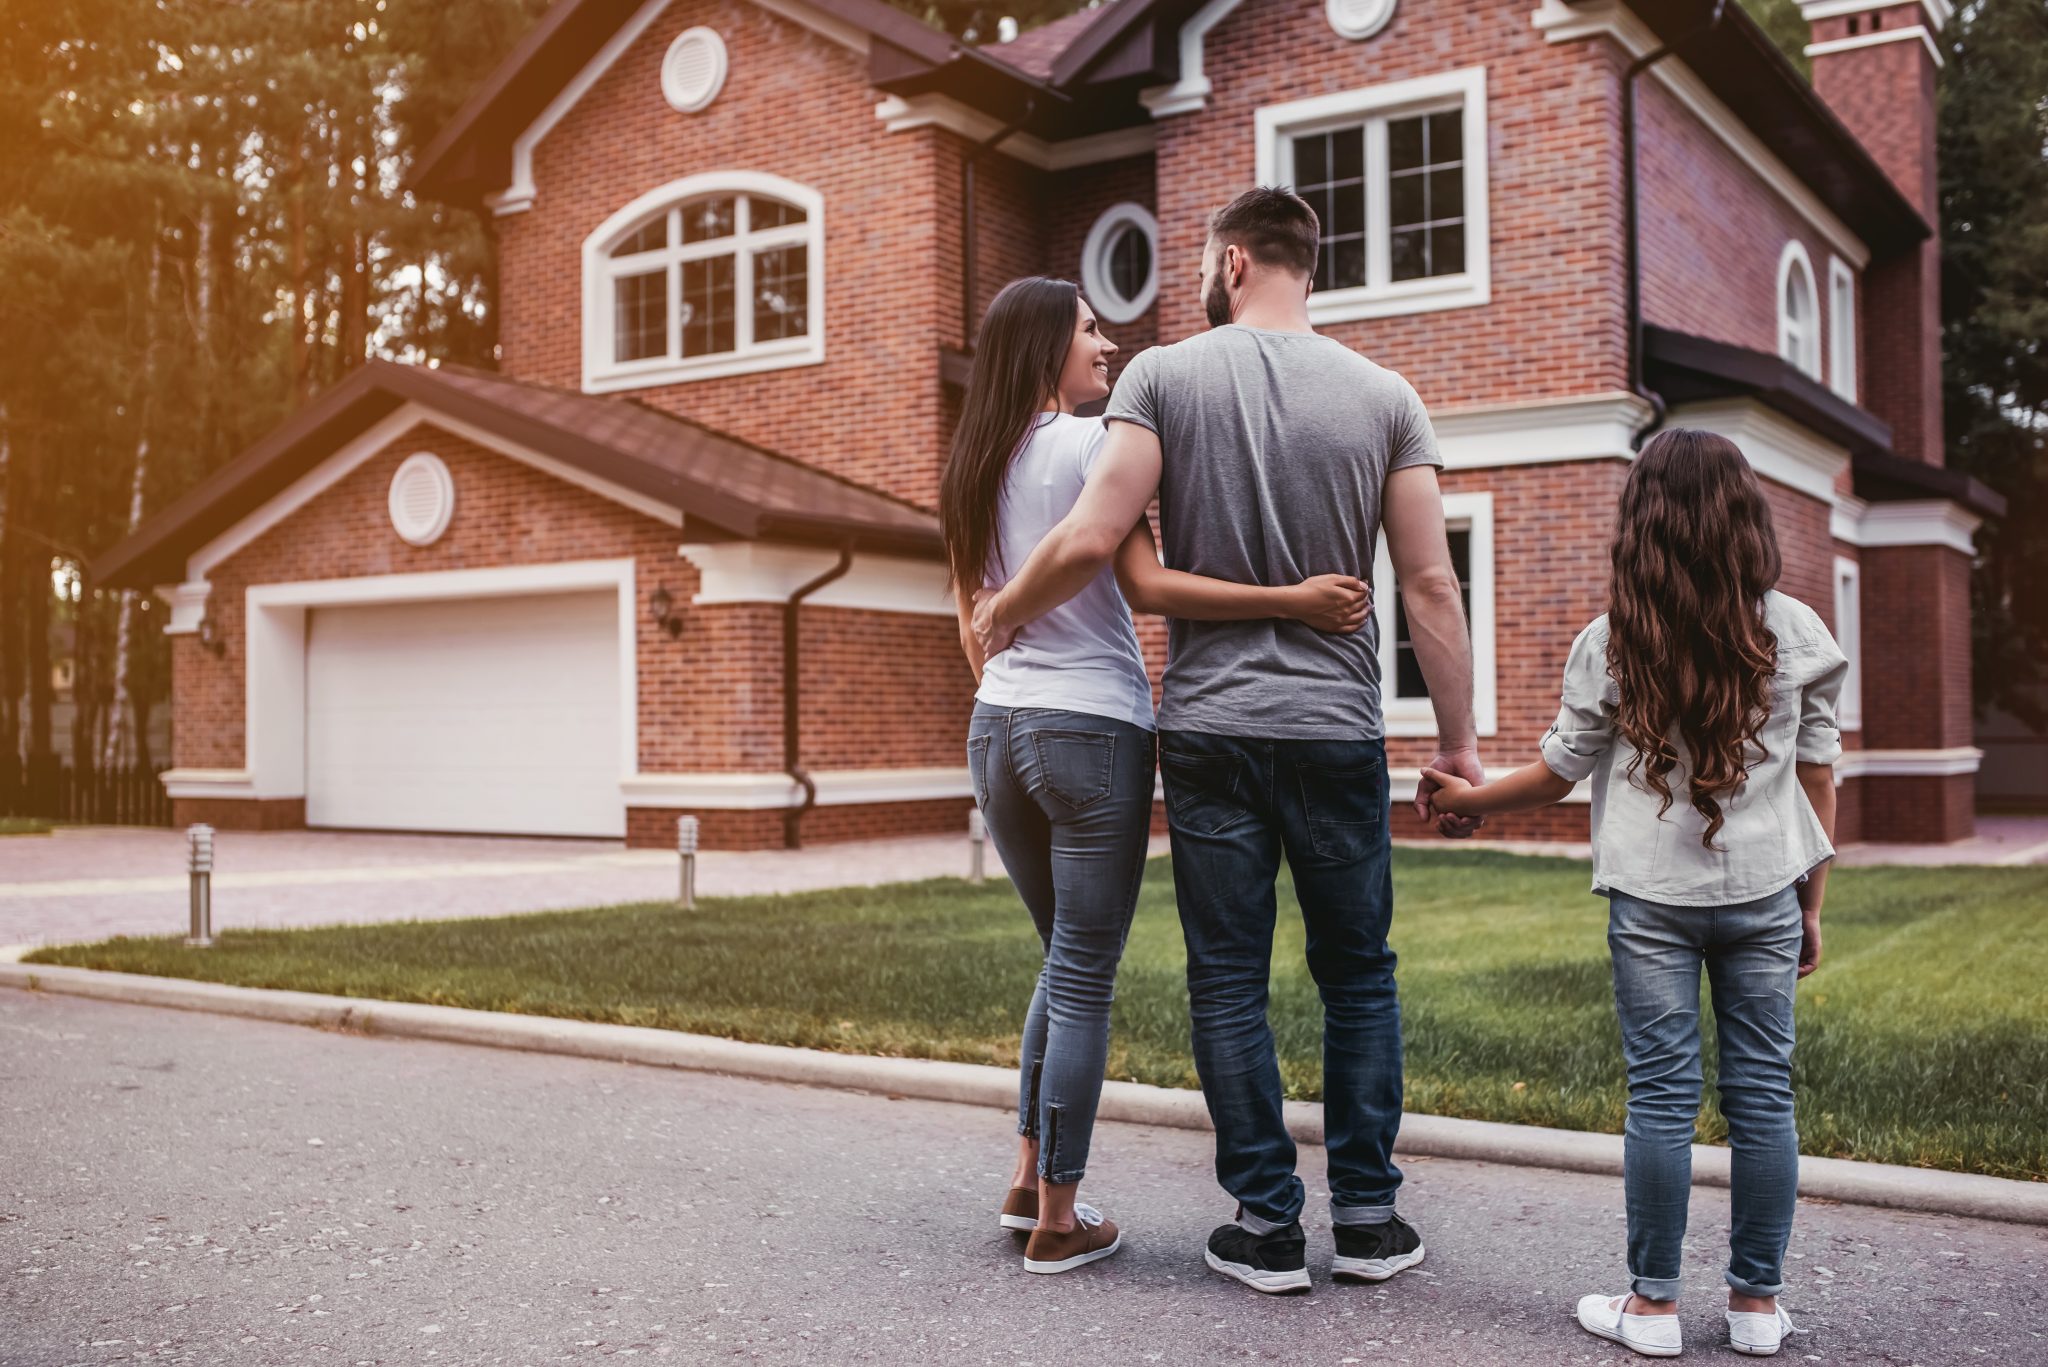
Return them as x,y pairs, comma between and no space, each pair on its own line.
707,476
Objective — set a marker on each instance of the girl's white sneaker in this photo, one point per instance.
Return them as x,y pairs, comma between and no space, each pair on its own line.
1757,1333
1654,1336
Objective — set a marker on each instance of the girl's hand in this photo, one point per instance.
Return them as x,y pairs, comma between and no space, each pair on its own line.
1452,795
1336,603
1809,943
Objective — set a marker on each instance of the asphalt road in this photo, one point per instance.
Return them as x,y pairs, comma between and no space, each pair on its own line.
177,1187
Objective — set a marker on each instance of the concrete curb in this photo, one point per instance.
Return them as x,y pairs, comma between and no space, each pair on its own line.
1430,1136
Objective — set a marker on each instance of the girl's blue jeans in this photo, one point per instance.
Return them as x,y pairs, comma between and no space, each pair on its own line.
1751,955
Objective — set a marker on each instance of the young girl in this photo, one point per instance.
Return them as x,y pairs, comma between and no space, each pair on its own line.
1061,743
1702,706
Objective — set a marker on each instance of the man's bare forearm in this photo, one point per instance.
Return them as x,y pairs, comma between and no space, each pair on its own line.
1443,647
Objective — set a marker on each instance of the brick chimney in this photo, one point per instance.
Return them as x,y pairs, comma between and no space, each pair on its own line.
1874,63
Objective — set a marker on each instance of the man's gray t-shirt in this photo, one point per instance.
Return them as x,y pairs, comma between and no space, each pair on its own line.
1276,448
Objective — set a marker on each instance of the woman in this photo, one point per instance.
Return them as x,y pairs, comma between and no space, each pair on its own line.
1061,743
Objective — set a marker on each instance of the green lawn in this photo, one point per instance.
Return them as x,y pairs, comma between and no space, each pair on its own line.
1923,1039
23,825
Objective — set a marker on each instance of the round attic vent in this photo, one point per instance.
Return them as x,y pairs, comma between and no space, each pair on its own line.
422,498
693,72
1359,18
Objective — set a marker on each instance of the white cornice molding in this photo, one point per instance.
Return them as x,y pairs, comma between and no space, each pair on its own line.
1561,22
1778,448
1889,35
1938,12
1595,427
1845,519
1918,522
187,603
777,791
237,785
1961,759
901,115
762,572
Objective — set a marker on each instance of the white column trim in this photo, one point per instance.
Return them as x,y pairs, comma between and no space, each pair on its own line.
1916,522
764,572
187,602
1961,759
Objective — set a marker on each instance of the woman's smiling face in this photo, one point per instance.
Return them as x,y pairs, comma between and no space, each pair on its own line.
1085,376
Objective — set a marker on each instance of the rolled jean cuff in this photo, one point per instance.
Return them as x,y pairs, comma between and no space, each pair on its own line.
1763,1289
1655,1288
1360,1215
1252,1224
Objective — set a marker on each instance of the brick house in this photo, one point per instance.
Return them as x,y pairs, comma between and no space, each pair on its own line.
677,556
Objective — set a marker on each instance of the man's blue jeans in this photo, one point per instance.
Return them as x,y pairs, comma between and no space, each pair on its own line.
1068,800
1235,805
1751,955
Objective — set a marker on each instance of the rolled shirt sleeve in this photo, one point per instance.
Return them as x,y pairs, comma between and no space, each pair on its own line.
1820,737
1584,730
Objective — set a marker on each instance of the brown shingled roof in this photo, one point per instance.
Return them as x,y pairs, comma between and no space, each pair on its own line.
710,477
1034,52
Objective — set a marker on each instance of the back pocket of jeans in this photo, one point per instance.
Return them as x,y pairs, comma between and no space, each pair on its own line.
1343,810
977,768
1204,793
1075,766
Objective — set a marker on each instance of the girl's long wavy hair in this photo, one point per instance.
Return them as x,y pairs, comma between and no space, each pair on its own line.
1694,553
1018,357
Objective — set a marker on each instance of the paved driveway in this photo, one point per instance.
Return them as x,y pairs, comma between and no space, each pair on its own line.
187,1188
85,883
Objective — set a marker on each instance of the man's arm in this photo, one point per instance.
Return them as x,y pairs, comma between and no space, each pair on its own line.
1413,515
1119,489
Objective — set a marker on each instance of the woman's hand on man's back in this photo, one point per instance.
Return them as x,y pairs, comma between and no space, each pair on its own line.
1336,603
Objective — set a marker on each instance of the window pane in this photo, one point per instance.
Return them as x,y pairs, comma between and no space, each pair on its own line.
781,294
1311,160
1405,149
1447,249
1410,254
1446,193
651,236
1130,262
772,213
709,312
1347,154
1408,680
1329,172
706,219
640,316
1407,200
1348,265
1426,195
1447,137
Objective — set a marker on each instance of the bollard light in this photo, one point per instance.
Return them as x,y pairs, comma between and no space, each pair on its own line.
977,845
199,861
686,850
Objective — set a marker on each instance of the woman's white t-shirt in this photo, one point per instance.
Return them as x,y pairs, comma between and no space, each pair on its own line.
1082,656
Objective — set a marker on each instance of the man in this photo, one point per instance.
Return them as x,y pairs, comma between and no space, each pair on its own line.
1276,454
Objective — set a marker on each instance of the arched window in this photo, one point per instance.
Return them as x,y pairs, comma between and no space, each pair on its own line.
1798,310
709,275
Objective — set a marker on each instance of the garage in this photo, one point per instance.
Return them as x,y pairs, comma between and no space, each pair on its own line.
492,715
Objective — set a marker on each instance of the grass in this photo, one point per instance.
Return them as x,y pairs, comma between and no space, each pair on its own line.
1923,1039
23,825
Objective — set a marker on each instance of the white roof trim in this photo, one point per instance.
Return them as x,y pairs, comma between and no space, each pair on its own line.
1938,12
1778,448
763,572
1918,522
1191,91
1560,22
901,115
1889,35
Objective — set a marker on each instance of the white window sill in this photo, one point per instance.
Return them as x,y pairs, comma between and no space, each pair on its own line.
1415,296
666,370
1406,718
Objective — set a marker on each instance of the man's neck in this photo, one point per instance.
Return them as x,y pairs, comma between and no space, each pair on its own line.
1273,311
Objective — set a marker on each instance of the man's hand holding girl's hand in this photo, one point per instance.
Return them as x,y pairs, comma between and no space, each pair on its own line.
1442,794
1336,603
992,638
1451,795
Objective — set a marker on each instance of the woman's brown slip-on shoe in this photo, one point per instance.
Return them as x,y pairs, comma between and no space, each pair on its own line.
1020,1209
1091,1239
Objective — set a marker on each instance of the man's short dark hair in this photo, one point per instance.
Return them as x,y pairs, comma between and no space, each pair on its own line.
1274,225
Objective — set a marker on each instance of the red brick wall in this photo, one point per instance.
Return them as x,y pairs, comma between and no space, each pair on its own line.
1885,94
1713,232
882,689
1916,648
1073,201
796,105
655,827
1555,324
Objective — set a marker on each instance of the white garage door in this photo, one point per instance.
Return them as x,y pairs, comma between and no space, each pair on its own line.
485,714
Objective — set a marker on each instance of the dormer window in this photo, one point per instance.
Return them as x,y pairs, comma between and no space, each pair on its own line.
711,275
1798,310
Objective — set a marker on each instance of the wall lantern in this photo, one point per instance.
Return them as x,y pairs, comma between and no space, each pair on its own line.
209,637
666,615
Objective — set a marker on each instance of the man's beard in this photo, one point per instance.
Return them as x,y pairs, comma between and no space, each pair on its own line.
1216,303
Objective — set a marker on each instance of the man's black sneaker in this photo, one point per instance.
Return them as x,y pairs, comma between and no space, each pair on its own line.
1274,1263
1373,1253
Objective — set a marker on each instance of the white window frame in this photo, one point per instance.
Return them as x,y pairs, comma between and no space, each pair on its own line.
1799,340
1381,296
1110,305
1471,512
1849,636
603,374
1842,328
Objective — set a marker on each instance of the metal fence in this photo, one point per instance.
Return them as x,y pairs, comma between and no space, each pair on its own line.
45,787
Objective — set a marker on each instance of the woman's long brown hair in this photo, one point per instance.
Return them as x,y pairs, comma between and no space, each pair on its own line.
1694,553
1017,362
